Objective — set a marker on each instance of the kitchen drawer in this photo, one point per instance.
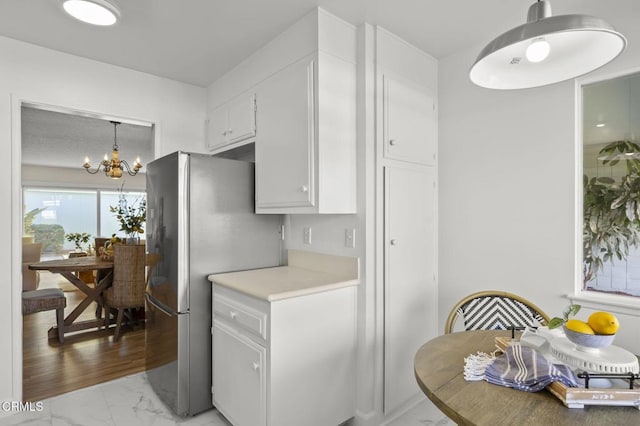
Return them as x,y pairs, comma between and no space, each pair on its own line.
240,315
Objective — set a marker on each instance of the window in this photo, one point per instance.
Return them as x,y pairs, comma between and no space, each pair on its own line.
611,186
60,211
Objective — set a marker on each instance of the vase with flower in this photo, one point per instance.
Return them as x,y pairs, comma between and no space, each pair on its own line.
132,216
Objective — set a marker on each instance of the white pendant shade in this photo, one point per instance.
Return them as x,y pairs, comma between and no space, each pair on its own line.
95,12
577,44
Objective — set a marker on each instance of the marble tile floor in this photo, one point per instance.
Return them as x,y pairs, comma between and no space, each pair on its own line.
131,401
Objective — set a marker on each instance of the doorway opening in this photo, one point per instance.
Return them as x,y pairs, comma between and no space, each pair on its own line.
60,199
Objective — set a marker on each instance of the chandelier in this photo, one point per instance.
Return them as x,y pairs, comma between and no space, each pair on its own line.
113,168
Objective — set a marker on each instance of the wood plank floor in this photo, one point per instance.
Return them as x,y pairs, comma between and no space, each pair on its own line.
84,359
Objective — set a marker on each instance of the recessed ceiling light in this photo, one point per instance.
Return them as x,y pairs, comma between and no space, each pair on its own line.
600,125
95,12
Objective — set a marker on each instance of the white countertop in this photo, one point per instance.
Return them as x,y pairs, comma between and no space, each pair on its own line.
307,273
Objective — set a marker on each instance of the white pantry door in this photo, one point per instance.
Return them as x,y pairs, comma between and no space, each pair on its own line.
410,293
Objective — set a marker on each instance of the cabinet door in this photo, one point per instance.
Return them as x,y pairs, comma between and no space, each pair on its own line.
410,292
239,377
242,118
286,141
410,123
217,128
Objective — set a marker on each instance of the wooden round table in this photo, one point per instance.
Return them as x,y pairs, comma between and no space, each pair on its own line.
438,369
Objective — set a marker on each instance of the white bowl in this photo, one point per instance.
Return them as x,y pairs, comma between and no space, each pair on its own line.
589,341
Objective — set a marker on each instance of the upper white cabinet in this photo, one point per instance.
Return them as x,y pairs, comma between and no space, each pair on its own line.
232,123
285,148
305,150
410,122
304,82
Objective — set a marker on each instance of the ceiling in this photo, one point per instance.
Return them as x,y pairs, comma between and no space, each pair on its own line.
197,41
51,138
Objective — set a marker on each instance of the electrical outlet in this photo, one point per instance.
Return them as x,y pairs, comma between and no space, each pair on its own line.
306,236
350,238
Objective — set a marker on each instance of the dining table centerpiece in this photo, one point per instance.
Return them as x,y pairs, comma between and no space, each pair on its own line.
131,215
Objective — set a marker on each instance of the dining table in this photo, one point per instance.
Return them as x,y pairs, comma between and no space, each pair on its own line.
70,268
438,367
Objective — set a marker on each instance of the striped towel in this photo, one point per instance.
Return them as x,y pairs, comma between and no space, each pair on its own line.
521,367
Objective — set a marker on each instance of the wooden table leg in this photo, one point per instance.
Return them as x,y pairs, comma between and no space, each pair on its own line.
92,295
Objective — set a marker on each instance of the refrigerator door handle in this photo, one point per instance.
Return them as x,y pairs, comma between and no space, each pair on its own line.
161,306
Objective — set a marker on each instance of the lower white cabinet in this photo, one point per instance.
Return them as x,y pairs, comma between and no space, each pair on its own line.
239,365
410,286
287,362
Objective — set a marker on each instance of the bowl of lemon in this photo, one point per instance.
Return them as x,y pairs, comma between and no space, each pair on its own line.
597,332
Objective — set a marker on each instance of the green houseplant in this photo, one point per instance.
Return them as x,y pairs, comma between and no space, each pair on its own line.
78,238
611,210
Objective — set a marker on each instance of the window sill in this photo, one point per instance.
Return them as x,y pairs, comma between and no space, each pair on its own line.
612,302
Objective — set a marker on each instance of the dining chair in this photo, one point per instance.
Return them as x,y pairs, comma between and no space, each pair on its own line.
31,253
128,286
46,299
495,310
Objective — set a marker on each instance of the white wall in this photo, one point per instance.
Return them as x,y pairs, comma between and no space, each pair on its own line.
44,176
507,187
44,76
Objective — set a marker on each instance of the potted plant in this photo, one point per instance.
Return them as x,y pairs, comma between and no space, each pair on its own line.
611,222
78,238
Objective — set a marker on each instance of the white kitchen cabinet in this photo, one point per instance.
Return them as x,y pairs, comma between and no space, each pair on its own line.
305,150
410,276
232,123
286,362
239,363
410,122
407,206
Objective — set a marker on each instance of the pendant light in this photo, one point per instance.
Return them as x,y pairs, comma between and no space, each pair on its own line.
114,167
546,50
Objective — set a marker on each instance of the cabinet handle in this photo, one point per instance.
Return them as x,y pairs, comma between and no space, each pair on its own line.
304,188
256,366
392,142
393,242
224,133
229,131
233,314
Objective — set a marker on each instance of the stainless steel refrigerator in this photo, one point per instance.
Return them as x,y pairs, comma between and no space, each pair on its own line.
200,220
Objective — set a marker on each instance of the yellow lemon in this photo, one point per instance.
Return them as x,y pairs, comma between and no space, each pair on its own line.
603,323
579,326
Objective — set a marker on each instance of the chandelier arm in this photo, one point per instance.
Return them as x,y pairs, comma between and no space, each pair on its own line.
92,172
128,168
